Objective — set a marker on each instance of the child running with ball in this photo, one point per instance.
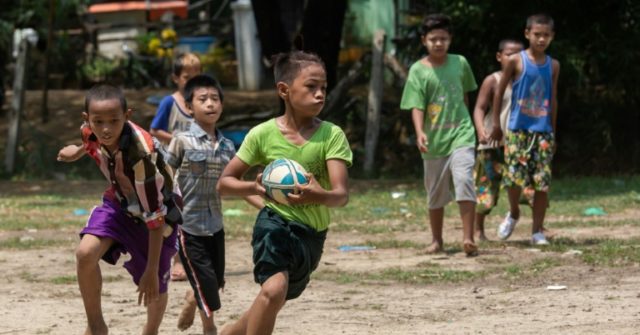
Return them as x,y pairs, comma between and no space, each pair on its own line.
288,238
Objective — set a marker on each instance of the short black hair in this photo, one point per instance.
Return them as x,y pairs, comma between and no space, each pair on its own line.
102,92
435,21
541,18
185,60
286,66
503,43
201,81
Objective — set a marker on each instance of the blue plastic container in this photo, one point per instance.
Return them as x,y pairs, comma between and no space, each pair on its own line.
199,44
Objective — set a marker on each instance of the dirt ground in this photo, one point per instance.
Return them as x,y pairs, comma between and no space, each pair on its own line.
597,300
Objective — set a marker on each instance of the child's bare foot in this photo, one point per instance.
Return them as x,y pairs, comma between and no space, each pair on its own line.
101,330
177,272
433,248
188,313
470,248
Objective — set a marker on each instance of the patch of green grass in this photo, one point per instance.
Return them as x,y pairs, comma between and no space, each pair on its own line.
593,223
428,276
43,211
16,243
513,270
240,224
598,252
395,244
540,265
613,253
370,228
571,196
424,273
29,277
64,280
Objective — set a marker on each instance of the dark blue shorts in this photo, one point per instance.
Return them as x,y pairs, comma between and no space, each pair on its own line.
280,245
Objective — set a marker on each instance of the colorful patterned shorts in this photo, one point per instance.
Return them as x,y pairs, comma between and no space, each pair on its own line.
528,157
488,176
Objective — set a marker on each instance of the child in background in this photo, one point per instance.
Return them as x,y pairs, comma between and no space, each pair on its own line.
530,142
138,215
288,239
199,155
437,85
172,117
490,155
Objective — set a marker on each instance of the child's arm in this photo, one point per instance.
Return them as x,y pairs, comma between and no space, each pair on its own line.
507,75
230,182
554,95
163,135
71,153
422,141
148,287
255,201
149,182
482,105
313,193
160,123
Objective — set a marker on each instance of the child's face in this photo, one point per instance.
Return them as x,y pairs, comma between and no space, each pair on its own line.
539,36
437,42
307,91
508,50
206,106
106,119
187,73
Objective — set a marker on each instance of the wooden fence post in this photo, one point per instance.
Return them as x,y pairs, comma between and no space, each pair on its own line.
17,105
374,103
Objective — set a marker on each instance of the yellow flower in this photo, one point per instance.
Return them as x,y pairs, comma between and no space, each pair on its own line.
168,34
160,52
154,44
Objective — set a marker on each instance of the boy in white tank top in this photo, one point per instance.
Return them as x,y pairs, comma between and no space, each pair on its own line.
490,155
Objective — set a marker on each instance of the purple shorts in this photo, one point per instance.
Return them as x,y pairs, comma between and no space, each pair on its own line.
130,236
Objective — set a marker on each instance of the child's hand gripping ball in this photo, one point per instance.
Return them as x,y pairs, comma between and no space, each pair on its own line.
280,178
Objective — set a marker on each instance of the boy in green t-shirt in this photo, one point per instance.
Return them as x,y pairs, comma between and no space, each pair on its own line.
438,84
288,239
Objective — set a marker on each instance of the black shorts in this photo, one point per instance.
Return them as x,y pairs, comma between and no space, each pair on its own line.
280,245
203,261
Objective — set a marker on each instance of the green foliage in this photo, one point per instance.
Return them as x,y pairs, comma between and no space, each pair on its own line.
99,70
599,112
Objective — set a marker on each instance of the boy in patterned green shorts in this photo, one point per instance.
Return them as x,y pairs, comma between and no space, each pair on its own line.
490,154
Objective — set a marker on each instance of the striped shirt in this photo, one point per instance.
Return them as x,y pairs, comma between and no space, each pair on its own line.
140,179
199,161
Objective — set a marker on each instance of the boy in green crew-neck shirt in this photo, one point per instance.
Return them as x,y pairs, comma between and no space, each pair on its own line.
437,86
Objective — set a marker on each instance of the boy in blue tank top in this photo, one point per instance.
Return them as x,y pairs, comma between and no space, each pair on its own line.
530,142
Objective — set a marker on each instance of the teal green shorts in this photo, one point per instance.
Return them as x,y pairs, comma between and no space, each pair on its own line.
281,245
